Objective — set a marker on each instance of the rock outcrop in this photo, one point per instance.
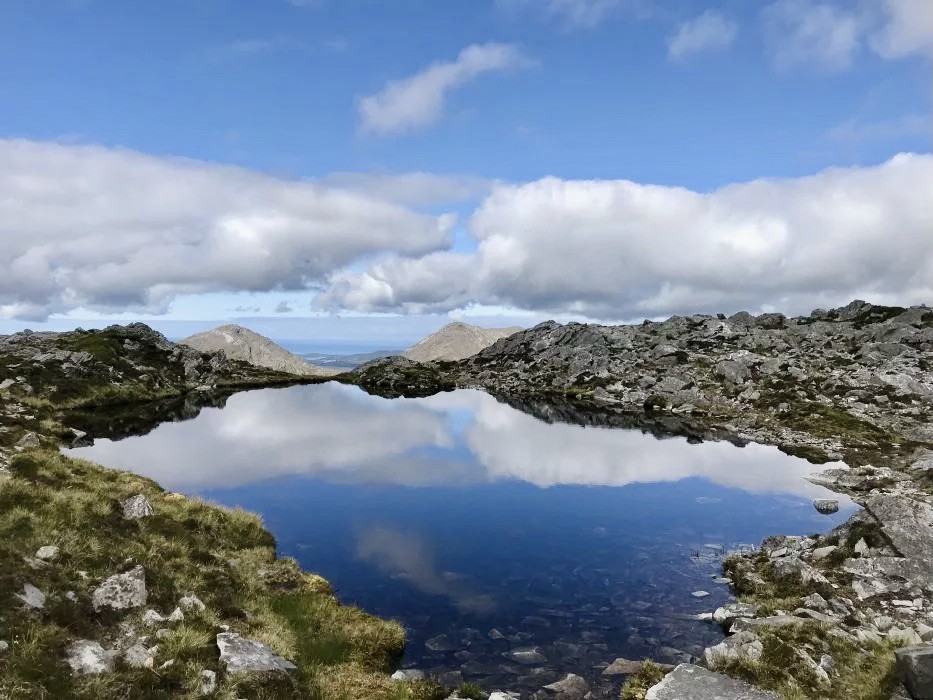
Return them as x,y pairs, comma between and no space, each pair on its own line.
698,683
239,343
824,386
456,341
113,365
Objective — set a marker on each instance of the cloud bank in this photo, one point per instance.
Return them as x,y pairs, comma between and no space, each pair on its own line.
115,230
615,249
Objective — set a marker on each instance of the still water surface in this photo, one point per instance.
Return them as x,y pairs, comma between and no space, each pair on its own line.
484,529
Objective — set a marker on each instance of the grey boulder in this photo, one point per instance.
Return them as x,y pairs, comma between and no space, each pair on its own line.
689,682
121,591
915,668
742,646
32,597
136,507
244,655
87,657
826,506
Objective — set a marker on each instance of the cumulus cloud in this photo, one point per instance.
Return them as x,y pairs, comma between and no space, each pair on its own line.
419,100
708,32
615,249
829,34
114,230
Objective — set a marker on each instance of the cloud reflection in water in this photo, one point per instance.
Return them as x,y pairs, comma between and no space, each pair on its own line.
342,435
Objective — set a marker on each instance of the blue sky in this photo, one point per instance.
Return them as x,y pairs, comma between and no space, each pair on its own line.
353,96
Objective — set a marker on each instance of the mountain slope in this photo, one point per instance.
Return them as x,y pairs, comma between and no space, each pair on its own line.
239,343
456,341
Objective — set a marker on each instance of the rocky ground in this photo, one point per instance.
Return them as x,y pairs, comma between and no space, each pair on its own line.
819,616
112,588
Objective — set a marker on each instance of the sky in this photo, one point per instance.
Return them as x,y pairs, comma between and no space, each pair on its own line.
327,169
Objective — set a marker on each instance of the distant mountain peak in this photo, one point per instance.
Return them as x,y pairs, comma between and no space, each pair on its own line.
456,341
240,343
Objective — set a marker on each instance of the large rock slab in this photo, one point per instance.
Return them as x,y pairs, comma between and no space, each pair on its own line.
244,655
121,591
908,523
915,668
689,682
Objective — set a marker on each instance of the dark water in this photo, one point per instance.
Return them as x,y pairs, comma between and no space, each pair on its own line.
484,529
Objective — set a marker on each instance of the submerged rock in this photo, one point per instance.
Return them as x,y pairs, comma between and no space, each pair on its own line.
622,667
526,655
240,654
571,687
696,683
121,591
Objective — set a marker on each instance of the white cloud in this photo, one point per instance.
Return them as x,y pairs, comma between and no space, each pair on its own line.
708,32
828,35
906,29
113,229
620,250
811,34
419,100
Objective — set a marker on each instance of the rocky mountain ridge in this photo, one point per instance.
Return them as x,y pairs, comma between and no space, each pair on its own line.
239,343
830,384
456,341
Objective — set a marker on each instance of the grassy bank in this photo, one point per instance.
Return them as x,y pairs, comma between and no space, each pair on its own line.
224,557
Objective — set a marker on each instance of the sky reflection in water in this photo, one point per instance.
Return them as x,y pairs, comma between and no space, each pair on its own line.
459,515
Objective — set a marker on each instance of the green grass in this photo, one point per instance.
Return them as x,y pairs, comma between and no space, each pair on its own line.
223,556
